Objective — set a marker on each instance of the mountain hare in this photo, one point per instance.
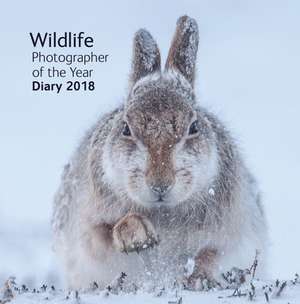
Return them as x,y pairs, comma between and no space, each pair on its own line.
157,182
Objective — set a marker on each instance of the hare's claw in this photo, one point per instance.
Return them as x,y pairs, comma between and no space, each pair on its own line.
134,233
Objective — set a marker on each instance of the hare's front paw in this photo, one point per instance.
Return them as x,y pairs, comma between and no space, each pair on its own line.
202,277
134,232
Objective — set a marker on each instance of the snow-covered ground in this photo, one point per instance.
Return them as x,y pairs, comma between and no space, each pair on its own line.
256,291
248,73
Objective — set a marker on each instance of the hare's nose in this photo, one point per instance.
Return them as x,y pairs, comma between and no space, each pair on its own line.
161,190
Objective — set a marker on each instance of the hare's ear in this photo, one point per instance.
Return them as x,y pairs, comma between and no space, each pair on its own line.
146,56
183,51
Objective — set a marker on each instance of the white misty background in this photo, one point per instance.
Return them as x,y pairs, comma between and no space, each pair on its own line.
248,73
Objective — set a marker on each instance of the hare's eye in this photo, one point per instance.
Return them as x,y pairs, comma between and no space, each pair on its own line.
194,128
126,130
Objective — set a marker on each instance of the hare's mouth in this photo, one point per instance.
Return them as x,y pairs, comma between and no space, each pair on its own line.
150,198
160,201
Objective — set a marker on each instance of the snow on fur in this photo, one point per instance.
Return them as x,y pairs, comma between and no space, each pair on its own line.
106,206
